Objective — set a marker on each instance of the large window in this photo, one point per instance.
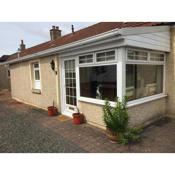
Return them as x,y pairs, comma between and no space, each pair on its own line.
143,80
144,73
98,82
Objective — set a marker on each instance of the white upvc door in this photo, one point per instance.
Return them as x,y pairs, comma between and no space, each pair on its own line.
68,86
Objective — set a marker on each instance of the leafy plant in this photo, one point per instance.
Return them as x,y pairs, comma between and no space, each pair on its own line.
117,120
132,135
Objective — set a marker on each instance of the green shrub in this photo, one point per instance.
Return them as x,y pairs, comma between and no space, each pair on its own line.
116,119
132,135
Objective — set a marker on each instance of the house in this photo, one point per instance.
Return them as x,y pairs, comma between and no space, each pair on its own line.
105,60
4,74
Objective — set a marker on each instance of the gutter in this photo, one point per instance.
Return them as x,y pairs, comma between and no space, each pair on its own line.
115,32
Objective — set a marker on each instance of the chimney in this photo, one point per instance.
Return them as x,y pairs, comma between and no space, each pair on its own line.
55,33
73,29
22,46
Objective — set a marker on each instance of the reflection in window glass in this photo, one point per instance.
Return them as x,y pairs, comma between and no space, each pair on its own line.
37,75
86,59
105,56
98,82
156,57
143,80
137,55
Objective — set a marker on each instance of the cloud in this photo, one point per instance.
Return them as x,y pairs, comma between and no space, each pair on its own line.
32,33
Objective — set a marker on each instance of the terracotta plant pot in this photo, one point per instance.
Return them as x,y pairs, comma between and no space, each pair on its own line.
113,136
52,111
78,118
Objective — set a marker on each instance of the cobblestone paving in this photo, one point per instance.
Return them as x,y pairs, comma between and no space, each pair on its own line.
27,129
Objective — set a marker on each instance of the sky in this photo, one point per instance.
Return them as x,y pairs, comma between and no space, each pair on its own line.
32,33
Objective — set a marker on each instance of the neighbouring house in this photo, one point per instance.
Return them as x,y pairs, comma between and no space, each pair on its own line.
105,60
4,74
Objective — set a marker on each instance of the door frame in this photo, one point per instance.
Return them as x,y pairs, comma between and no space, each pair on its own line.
62,85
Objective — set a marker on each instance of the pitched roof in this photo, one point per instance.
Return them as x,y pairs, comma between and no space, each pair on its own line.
82,34
4,58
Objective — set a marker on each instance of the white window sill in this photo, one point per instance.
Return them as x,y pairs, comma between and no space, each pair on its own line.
36,91
145,100
129,104
94,101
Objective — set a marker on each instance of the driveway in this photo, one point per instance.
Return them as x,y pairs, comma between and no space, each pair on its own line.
24,128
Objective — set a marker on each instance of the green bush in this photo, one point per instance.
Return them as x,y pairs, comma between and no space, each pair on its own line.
132,135
116,119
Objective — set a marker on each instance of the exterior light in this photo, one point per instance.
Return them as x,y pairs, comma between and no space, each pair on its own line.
52,64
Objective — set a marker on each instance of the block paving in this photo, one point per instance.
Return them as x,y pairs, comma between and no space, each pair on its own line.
28,129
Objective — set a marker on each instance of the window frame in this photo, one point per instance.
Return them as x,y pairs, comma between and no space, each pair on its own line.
121,61
145,61
95,56
95,64
105,51
139,50
157,53
148,62
86,55
32,76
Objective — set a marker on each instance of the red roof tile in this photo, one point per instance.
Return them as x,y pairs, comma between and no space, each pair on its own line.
82,34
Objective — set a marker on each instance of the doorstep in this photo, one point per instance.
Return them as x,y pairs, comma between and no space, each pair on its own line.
63,118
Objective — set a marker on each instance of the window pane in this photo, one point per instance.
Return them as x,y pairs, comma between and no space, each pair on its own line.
101,54
137,55
110,53
37,75
143,80
86,59
105,56
98,82
36,65
157,57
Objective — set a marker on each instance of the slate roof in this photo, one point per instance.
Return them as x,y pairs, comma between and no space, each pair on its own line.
82,34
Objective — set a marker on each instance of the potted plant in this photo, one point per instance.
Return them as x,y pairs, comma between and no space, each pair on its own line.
115,119
52,110
78,118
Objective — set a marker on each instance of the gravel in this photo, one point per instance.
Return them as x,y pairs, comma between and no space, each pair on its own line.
20,133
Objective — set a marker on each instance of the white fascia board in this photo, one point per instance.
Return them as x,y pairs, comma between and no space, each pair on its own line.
93,47
143,30
95,38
